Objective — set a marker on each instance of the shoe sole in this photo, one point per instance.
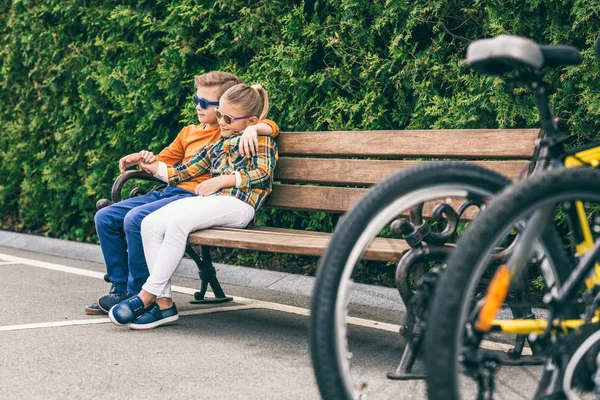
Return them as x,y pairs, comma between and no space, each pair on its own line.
93,311
155,324
112,318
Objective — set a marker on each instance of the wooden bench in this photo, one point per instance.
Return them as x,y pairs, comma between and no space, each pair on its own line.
329,171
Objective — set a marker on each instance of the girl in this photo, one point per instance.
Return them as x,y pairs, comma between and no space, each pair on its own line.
238,187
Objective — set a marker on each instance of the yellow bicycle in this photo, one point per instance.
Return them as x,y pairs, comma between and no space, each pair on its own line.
467,326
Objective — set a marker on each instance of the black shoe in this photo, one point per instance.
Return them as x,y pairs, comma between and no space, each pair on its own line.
106,302
93,309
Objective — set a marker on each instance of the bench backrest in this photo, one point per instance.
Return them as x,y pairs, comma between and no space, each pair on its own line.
328,171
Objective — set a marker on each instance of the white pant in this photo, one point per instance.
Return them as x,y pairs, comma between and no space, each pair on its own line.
165,233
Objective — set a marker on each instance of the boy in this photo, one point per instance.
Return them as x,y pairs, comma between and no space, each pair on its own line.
118,225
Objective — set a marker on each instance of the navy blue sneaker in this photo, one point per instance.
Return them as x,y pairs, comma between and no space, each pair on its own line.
155,317
108,301
127,311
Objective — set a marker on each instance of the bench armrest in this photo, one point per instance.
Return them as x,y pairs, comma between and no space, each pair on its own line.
118,186
128,175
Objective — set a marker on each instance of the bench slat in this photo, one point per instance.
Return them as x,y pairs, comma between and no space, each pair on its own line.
364,172
291,241
314,198
334,199
450,143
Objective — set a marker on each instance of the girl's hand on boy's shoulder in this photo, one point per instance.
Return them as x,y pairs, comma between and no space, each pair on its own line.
249,142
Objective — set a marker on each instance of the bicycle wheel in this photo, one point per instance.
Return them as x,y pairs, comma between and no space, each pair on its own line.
455,350
329,341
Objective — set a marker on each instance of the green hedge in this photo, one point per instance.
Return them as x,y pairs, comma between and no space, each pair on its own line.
85,82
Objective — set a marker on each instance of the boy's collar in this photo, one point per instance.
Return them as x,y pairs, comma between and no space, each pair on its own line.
234,134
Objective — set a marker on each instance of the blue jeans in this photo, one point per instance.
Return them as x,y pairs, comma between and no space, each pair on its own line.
118,228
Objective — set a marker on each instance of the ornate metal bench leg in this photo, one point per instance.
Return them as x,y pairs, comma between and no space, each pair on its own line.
208,276
404,370
411,327
416,300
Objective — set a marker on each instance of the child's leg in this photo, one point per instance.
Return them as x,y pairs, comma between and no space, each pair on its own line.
109,226
138,270
165,232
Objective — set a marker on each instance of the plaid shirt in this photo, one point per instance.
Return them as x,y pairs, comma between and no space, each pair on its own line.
223,158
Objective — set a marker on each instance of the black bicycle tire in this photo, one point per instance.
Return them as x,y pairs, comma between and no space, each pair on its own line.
447,303
322,329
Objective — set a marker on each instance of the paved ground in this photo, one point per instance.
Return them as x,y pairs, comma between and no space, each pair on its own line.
250,349
254,348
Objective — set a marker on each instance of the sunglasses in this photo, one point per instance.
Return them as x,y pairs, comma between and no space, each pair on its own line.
203,103
228,118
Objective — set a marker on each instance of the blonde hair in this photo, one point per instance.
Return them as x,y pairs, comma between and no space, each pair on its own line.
254,100
224,80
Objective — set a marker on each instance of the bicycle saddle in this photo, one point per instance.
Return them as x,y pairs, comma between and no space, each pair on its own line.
506,53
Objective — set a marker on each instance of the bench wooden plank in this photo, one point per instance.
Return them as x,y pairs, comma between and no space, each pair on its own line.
291,241
451,143
314,198
365,172
336,199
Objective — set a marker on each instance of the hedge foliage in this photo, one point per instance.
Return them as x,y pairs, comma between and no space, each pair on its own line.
84,82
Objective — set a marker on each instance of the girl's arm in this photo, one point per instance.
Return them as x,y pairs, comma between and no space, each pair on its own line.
215,184
264,160
249,141
198,164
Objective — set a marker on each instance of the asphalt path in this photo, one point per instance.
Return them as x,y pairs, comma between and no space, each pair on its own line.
253,348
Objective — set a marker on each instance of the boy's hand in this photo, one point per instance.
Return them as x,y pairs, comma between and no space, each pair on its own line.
213,185
128,161
132,159
151,168
249,142
148,157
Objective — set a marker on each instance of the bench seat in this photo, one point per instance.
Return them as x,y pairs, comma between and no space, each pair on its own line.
291,241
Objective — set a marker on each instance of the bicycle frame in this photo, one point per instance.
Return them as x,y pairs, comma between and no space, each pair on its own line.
588,269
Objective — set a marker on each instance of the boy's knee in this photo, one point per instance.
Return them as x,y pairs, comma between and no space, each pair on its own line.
132,220
104,218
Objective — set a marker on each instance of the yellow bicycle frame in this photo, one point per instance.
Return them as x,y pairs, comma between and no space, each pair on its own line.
498,289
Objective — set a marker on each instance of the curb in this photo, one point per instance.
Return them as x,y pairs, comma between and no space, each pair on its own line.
368,295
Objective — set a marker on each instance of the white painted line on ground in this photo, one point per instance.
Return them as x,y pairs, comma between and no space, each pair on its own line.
8,263
351,320
105,320
184,290
54,267
92,274
54,324
367,323
245,303
495,346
